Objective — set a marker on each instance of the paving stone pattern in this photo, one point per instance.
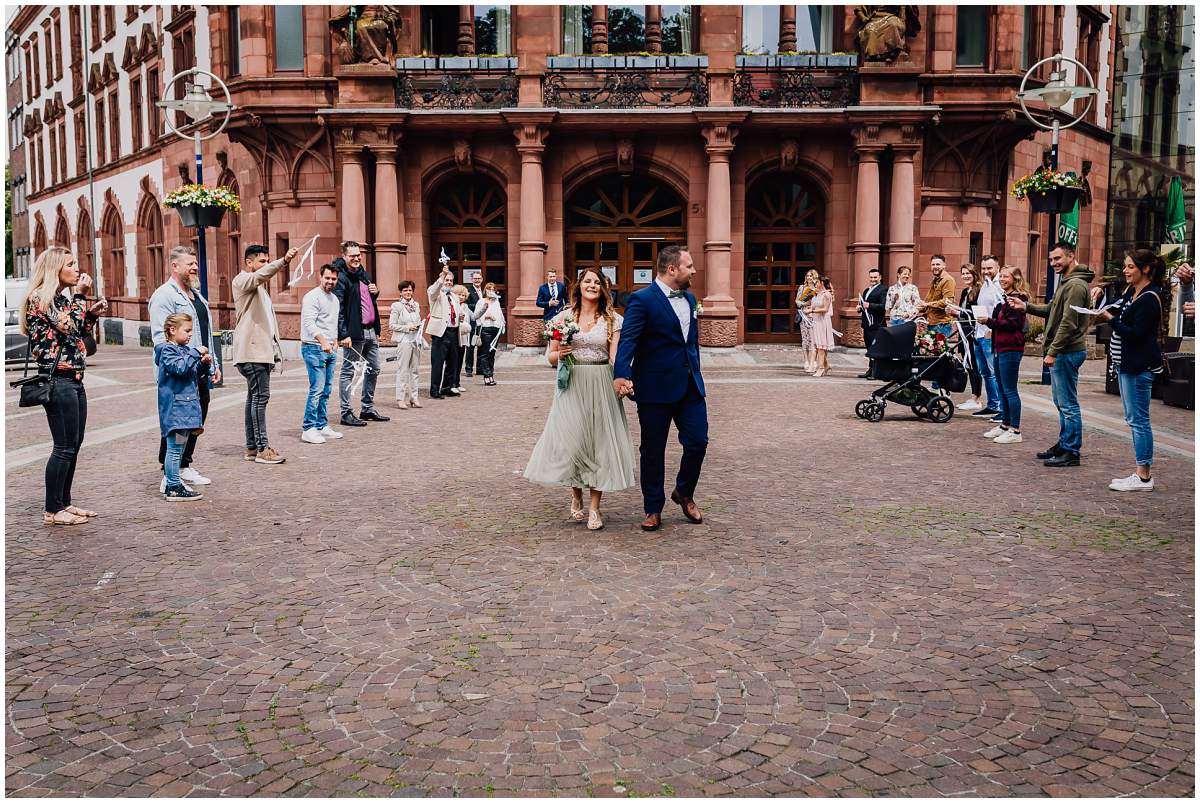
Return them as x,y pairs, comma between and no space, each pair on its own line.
899,608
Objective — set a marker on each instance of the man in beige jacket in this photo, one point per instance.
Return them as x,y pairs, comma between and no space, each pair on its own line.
442,328
256,345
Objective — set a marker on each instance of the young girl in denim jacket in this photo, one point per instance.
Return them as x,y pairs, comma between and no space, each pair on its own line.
180,367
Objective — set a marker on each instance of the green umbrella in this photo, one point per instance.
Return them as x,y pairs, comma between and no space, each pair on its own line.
1176,215
1068,224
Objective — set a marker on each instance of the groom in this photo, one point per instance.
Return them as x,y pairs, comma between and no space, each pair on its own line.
659,355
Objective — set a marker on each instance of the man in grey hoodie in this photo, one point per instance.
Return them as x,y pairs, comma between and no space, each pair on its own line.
1066,349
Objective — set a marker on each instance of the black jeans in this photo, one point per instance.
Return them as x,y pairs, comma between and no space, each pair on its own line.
444,356
469,352
869,334
190,450
487,355
67,415
258,393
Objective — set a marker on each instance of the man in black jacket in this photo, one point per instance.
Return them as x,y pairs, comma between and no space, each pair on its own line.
474,293
871,313
358,320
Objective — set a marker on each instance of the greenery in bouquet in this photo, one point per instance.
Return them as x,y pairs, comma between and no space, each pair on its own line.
1042,181
562,331
203,195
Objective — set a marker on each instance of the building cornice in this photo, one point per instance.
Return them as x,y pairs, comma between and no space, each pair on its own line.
24,17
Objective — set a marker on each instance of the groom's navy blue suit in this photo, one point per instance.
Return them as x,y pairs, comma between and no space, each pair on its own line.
667,386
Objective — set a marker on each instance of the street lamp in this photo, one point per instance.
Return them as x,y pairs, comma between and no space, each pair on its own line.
197,104
1056,94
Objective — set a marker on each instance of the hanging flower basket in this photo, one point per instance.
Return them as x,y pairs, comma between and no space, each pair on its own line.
201,205
1048,191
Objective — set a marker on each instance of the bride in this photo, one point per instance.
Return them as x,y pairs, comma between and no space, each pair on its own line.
586,441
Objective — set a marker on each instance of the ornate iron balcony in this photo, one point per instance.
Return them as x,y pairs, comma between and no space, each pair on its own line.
456,83
625,82
796,82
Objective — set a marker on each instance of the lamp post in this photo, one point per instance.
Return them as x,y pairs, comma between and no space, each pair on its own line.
197,104
1056,93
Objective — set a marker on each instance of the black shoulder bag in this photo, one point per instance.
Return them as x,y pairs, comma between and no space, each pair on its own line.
35,390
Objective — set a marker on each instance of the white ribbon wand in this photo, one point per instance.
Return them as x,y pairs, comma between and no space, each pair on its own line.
307,254
360,370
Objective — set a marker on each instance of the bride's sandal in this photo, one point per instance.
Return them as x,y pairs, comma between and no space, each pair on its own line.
576,512
595,522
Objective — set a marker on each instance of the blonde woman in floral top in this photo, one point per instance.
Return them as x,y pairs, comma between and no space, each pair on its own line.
902,298
55,325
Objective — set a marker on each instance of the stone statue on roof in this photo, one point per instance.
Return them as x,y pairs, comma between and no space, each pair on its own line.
367,34
884,31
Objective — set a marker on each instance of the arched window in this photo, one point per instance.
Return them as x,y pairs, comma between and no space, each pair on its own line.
62,232
39,239
83,251
112,246
150,246
469,224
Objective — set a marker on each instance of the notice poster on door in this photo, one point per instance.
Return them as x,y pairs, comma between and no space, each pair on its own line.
469,274
643,275
610,271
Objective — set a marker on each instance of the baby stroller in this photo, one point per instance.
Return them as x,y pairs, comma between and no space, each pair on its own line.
904,372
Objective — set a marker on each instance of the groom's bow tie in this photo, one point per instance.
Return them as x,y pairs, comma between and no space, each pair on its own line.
675,294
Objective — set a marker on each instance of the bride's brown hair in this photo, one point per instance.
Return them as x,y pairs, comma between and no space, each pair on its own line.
605,301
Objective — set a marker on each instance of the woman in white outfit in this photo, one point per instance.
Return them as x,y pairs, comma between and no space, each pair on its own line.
405,323
489,317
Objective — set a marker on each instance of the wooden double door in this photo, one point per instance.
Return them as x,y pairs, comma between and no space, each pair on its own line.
627,258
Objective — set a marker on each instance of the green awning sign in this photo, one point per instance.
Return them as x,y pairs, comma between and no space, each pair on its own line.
1068,224
1176,215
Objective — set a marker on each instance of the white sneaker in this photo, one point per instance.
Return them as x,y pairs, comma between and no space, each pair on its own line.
969,405
162,486
459,388
327,432
193,476
1007,436
312,436
1132,483
995,432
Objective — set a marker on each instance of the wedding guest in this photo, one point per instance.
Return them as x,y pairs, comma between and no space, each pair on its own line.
871,311
940,294
822,317
54,323
256,348
1007,326
804,298
1137,357
489,314
474,293
180,368
359,321
181,293
990,294
318,347
972,283
405,324
465,325
902,298
442,328
551,295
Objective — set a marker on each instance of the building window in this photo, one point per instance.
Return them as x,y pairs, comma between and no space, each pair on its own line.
58,48
626,29
135,108
1030,52
41,164
110,22
62,148
760,29
183,48
289,37
53,156
975,248
28,75
81,144
493,30
971,36
131,13
101,151
37,66
49,52
235,41
112,246
153,113
150,265
439,30
678,29
114,124
577,29
95,28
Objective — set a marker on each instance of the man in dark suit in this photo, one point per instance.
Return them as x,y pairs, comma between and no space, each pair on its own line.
552,295
658,366
871,313
474,293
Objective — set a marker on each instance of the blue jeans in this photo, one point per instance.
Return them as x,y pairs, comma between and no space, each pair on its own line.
320,385
984,358
176,443
1008,367
1064,387
1135,396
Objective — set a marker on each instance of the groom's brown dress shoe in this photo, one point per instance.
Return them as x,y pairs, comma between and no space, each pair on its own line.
690,511
652,522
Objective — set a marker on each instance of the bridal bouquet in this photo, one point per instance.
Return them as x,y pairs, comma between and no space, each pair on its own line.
562,331
931,344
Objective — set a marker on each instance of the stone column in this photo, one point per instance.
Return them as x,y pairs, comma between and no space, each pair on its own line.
600,29
787,28
466,30
654,29
531,144
390,247
354,187
902,210
718,324
864,251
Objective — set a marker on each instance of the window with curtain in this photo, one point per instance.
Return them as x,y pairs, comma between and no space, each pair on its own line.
577,29
814,28
235,41
289,37
493,30
626,29
677,29
760,29
439,30
971,36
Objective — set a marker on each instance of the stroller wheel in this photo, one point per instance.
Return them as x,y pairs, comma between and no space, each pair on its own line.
862,407
920,410
941,410
875,412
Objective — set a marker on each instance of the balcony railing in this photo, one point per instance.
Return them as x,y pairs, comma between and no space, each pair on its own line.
799,81
456,83
625,82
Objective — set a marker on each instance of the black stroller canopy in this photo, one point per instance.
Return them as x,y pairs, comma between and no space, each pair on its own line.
894,342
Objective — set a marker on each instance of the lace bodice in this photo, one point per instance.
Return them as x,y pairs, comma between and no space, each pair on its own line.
591,348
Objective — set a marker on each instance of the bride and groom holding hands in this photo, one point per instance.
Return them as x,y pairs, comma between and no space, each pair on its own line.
652,356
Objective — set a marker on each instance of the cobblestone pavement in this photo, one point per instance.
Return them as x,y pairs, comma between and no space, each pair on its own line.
900,608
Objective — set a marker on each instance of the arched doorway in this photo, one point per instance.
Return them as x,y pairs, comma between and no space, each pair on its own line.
618,224
785,231
468,223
